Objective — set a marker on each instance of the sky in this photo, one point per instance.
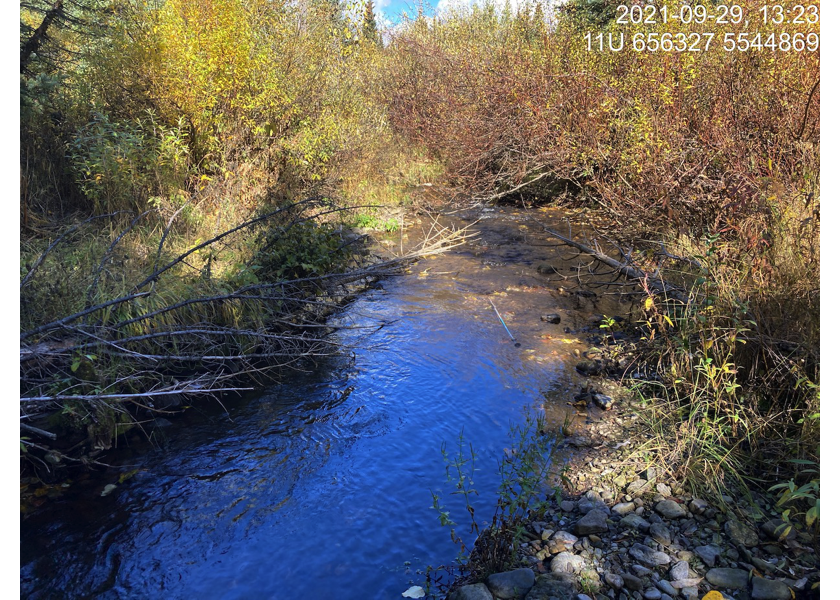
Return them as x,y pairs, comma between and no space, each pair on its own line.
389,12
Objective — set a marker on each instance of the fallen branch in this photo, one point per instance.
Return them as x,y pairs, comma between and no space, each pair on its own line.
183,391
70,318
512,190
93,286
654,281
37,431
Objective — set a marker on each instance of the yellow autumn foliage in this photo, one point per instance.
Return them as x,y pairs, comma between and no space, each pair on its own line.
258,81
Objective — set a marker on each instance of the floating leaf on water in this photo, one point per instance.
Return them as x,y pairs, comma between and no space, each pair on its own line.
126,476
108,489
415,591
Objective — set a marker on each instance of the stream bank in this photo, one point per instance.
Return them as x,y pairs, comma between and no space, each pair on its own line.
625,530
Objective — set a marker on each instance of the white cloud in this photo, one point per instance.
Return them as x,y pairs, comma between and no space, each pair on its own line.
445,7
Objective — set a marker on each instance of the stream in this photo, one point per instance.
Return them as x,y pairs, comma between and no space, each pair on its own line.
320,487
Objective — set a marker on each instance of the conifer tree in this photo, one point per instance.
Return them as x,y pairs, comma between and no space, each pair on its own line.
369,29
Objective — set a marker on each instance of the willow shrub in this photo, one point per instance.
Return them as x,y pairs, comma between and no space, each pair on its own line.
267,93
691,137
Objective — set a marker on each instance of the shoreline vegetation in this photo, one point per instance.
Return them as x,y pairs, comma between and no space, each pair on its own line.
194,176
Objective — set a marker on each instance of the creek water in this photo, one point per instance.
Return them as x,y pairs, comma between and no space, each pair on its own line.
320,487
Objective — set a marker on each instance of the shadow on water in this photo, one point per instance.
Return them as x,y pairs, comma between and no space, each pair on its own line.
320,487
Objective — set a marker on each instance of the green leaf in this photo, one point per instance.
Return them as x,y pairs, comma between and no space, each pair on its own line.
783,530
787,485
813,514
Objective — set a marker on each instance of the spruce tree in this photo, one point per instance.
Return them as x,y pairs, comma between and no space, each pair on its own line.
369,29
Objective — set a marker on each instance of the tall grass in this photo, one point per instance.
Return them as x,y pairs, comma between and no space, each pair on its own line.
739,401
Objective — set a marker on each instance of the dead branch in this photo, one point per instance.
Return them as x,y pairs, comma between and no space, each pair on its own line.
179,259
157,357
37,431
123,397
663,252
654,280
514,189
807,107
70,318
158,272
39,36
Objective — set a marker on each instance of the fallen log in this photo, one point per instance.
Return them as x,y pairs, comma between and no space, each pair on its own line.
652,281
